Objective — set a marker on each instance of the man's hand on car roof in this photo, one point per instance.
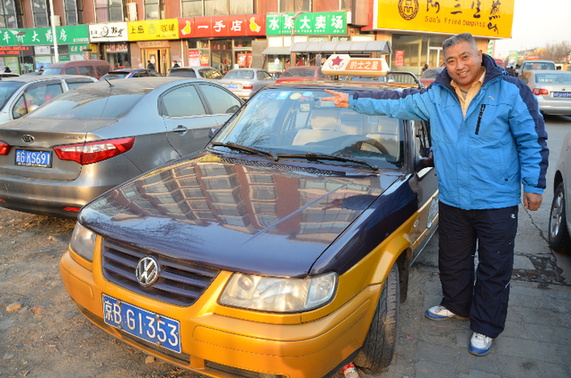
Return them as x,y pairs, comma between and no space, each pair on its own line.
341,100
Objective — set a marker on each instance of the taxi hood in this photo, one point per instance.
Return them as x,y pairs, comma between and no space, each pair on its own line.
252,216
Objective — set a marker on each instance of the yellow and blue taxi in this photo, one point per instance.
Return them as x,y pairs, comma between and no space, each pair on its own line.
282,249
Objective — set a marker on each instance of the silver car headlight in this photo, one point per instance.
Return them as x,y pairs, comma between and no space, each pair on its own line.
275,294
83,241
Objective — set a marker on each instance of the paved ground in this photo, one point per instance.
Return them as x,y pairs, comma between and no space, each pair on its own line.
537,338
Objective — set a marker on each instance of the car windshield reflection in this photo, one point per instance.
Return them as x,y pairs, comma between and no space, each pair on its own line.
298,123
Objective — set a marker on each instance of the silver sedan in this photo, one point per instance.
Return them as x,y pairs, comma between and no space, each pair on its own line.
89,140
552,89
244,82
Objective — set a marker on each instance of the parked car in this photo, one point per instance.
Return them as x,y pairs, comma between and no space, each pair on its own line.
127,73
8,74
536,65
429,75
552,89
94,68
559,221
21,94
302,73
195,72
89,140
282,249
244,82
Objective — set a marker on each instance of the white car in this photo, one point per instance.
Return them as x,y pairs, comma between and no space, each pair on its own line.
552,89
559,222
22,94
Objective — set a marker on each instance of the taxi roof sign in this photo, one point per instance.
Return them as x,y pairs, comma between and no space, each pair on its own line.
344,64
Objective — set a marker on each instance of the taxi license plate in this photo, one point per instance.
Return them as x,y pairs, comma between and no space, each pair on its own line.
562,94
141,323
31,158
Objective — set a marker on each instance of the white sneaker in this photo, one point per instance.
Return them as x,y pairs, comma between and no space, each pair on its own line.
441,313
480,344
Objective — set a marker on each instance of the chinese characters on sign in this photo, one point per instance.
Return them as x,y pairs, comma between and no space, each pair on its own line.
306,23
43,36
486,18
222,26
153,30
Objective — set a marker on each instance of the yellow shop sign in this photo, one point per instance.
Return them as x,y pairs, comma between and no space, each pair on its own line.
153,30
485,18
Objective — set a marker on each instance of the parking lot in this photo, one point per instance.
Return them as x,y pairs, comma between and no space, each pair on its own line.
43,335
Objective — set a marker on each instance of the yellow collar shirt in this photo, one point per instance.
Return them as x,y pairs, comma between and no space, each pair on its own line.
467,95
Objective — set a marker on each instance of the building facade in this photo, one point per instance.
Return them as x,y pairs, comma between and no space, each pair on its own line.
248,33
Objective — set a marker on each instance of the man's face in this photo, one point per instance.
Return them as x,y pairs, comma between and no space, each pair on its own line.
464,63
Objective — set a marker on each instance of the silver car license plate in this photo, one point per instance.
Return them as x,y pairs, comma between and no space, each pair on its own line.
30,158
562,94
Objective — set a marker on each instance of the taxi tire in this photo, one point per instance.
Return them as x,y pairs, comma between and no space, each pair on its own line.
378,349
559,239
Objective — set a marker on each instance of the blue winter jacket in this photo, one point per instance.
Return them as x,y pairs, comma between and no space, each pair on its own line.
481,159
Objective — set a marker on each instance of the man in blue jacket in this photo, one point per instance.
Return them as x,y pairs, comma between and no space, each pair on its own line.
488,139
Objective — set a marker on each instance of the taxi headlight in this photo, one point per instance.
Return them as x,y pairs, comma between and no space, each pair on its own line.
275,294
83,242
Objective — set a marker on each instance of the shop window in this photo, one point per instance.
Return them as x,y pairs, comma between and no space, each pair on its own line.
71,17
40,13
153,9
108,10
292,6
8,17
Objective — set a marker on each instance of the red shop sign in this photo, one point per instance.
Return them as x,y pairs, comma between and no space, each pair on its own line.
222,26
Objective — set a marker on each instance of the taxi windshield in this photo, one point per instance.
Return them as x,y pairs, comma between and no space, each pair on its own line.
297,121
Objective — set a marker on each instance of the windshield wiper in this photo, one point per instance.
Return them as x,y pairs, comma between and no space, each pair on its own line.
251,150
313,156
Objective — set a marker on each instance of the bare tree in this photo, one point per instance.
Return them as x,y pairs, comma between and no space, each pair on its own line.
557,52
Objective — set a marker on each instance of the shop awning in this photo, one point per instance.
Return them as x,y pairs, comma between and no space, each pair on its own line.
348,47
276,50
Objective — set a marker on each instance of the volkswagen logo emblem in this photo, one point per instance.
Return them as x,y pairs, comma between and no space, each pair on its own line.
27,138
147,271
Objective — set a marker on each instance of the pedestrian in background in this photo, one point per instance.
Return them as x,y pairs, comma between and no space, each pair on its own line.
425,67
488,139
150,66
175,65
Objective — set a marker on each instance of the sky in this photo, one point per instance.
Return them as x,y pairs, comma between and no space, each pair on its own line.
536,24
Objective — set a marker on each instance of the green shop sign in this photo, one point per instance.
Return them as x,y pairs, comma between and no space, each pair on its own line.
65,35
306,23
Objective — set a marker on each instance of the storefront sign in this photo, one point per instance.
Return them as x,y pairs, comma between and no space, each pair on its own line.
222,26
306,23
116,48
14,50
399,58
152,30
110,32
78,49
43,36
344,64
485,18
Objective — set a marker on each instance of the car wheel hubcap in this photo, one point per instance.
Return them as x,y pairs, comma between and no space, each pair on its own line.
556,215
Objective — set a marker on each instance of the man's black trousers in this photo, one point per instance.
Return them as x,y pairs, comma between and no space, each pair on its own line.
480,292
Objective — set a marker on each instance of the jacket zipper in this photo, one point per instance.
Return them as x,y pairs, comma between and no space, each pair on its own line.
480,118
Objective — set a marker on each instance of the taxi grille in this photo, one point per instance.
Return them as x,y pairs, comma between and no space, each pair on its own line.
180,282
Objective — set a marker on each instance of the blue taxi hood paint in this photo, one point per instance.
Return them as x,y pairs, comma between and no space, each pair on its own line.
252,216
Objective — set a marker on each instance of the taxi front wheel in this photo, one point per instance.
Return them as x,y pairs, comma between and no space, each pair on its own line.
378,350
